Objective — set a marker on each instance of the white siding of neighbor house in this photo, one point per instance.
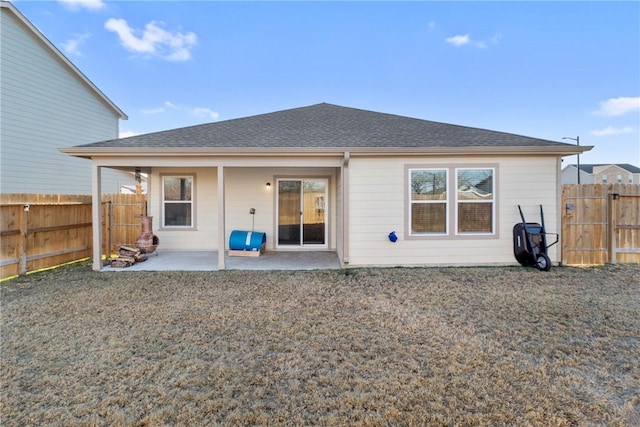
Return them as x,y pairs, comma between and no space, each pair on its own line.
569,175
378,205
45,105
245,188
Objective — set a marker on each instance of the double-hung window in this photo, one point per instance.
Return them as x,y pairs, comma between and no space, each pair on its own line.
428,204
451,201
177,201
475,200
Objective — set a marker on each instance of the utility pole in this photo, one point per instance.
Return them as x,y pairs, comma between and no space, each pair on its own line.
577,140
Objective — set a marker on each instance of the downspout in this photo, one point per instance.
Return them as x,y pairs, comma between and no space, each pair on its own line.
345,208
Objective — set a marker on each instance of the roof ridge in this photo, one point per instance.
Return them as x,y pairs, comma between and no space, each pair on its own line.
324,125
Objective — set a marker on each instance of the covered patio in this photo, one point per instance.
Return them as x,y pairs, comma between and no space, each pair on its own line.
208,261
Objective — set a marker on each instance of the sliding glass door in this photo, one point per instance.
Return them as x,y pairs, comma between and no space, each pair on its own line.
302,207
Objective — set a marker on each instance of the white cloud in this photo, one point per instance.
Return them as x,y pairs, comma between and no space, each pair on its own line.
618,106
127,38
461,40
127,133
72,46
201,112
610,130
206,112
431,25
153,40
458,40
79,4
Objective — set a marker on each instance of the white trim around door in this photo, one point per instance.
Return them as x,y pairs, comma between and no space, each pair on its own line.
302,208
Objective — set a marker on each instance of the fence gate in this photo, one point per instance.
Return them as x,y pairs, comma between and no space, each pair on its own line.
44,230
121,220
600,224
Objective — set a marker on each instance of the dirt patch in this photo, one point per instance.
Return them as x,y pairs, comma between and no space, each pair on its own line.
454,346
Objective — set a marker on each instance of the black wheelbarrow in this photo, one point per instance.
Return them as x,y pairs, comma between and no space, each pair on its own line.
530,243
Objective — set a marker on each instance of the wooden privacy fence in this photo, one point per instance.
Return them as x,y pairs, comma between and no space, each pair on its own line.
600,224
42,230
121,220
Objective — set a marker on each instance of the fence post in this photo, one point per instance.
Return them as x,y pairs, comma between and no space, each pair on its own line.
611,226
110,224
22,243
105,227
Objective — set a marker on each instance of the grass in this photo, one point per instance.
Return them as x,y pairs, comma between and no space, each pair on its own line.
369,347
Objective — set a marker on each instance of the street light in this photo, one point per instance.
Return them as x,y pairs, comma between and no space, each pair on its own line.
577,140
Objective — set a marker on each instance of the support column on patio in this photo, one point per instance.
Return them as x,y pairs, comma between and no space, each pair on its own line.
96,214
221,222
345,207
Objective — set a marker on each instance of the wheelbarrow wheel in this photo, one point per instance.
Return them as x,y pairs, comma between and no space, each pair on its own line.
543,263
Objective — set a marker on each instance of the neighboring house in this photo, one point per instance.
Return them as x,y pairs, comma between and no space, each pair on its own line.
134,189
46,103
140,187
620,173
333,178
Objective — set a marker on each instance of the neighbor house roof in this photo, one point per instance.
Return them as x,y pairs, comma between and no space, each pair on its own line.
7,6
325,127
588,168
629,168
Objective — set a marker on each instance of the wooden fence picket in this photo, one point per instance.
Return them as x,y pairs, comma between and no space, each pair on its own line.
43,230
600,224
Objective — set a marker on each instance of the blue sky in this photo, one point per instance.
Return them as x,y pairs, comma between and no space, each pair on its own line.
542,69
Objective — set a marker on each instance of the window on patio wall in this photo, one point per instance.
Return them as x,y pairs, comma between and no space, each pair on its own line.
177,201
470,208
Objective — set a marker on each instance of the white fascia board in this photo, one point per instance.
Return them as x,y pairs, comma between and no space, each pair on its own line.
94,152
148,162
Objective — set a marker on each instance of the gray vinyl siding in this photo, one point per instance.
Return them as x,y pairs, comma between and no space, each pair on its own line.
45,105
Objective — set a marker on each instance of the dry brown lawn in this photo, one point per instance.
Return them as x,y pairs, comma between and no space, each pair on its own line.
451,346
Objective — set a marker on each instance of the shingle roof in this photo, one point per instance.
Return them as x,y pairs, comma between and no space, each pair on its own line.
325,126
588,168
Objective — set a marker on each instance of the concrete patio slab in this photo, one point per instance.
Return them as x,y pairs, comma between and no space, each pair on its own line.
286,260
208,261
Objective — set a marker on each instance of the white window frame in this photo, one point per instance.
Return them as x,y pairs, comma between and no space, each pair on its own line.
192,202
451,171
492,201
415,202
